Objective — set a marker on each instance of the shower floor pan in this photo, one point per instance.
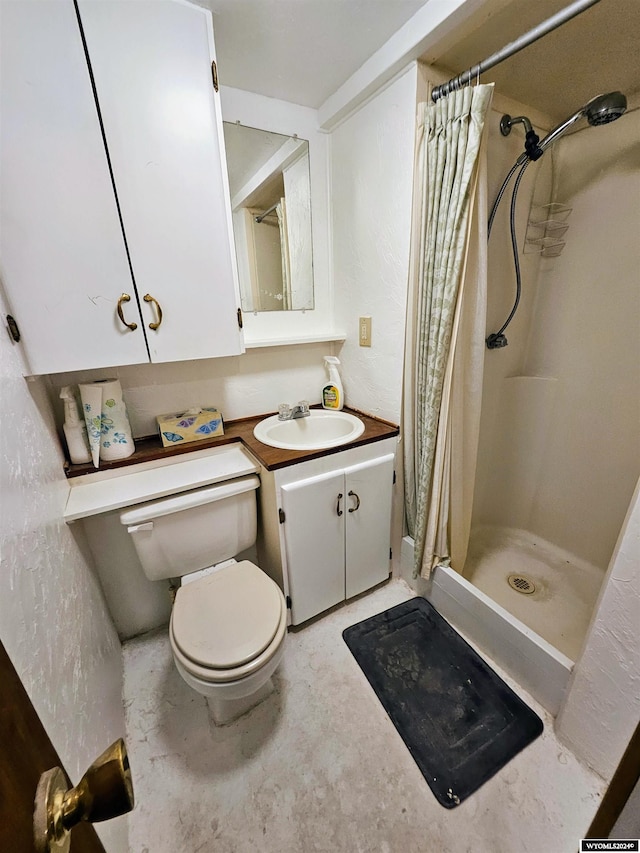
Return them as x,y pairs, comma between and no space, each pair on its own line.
565,587
537,664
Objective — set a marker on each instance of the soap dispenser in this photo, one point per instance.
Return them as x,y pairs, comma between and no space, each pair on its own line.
332,393
75,429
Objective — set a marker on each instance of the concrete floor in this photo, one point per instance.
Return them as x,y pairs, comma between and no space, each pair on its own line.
320,767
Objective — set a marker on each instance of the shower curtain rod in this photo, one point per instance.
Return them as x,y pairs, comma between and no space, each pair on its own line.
508,50
261,216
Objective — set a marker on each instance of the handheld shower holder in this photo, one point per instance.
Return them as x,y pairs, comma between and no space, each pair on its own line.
533,150
496,341
531,139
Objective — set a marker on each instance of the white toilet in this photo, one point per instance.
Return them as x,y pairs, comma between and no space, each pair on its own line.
229,619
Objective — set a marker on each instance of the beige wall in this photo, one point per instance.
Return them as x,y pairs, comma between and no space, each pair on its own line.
501,456
240,386
586,332
371,185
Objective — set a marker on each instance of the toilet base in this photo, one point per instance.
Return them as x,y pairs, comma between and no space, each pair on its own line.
229,700
225,711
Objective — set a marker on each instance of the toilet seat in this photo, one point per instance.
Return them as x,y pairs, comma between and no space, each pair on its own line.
229,624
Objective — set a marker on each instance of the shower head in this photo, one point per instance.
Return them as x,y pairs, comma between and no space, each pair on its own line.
599,110
605,108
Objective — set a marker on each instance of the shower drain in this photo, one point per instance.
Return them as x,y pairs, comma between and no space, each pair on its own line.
521,584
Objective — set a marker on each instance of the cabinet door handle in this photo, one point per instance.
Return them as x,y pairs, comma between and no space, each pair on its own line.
125,298
357,506
149,298
338,510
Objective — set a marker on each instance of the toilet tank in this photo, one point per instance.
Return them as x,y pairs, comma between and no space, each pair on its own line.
193,530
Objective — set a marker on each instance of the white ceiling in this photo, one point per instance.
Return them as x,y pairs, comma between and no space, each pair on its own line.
300,51
303,50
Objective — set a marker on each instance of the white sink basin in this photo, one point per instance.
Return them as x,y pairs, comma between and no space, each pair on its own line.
320,430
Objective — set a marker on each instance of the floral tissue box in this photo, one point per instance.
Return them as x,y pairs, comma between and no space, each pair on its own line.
192,425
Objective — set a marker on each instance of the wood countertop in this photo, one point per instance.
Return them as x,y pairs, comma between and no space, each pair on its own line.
150,448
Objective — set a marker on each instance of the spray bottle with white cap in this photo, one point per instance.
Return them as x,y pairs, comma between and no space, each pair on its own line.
332,393
75,429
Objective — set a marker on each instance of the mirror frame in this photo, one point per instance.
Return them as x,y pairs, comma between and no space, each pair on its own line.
271,328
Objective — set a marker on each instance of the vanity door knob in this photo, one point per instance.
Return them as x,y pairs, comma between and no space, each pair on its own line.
125,298
338,510
105,791
357,506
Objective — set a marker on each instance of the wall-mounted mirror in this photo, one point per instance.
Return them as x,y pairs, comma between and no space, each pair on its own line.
271,203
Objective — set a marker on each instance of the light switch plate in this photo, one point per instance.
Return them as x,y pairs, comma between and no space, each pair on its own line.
364,334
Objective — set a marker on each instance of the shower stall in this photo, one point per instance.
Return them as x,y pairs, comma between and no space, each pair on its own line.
559,444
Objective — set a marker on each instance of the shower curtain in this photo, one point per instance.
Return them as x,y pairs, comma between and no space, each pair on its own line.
444,344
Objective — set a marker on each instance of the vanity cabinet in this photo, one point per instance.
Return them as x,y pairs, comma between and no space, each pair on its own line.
115,229
334,526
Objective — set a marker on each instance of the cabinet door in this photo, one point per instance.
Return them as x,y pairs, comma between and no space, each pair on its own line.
62,254
368,489
151,64
314,543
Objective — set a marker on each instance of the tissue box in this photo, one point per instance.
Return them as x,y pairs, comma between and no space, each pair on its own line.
193,425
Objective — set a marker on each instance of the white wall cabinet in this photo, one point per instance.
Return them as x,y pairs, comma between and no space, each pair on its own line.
334,530
152,219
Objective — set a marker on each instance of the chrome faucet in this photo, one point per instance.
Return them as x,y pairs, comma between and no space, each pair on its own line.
289,413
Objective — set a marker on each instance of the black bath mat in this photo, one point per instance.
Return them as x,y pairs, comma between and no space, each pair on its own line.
458,719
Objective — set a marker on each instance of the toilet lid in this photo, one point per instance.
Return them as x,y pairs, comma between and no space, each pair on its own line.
227,618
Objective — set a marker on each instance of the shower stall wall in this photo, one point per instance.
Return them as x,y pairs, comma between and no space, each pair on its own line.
561,428
560,431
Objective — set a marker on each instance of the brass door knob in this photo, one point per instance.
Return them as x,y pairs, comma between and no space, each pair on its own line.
105,791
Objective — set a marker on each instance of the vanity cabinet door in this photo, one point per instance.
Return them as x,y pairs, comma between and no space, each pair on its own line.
314,543
337,534
151,64
62,255
368,491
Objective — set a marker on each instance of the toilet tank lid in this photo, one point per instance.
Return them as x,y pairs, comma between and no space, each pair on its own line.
188,500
